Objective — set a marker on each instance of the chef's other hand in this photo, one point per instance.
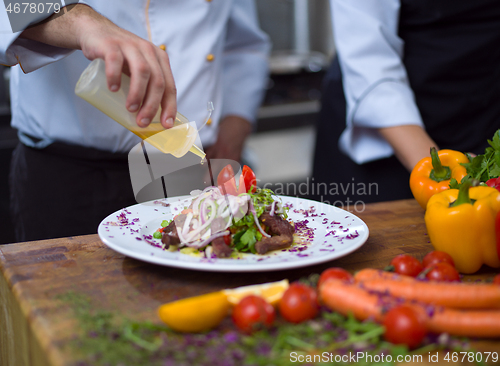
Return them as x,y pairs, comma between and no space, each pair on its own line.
410,143
152,84
233,131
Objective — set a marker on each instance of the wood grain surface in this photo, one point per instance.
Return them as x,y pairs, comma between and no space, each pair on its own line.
35,327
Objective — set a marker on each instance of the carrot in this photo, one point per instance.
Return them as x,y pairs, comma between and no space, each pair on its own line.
450,294
345,297
468,323
371,274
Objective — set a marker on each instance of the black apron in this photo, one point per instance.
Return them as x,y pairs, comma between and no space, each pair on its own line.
452,57
65,190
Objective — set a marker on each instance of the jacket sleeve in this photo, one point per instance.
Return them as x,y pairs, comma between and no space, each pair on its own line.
376,85
30,55
245,63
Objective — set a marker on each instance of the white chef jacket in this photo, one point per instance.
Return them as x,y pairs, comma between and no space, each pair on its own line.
217,53
375,82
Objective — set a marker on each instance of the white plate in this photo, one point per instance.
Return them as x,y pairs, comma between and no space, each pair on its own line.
336,233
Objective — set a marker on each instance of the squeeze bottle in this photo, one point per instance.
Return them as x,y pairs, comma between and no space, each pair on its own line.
178,140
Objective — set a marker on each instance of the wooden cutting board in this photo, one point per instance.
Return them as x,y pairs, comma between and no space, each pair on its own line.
35,327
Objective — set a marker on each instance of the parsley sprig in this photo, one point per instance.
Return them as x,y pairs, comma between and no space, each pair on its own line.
485,166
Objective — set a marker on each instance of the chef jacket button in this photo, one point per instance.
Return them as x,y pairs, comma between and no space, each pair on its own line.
209,122
163,47
210,57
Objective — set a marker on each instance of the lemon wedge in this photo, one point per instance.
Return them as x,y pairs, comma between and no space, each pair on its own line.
195,314
202,313
271,292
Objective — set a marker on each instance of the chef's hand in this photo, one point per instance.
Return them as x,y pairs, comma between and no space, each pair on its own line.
233,131
152,84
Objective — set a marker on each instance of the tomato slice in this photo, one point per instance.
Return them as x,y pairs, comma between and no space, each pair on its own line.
241,186
249,179
226,181
227,239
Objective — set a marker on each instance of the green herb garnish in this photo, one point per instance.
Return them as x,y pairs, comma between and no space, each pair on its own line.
483,167
247,233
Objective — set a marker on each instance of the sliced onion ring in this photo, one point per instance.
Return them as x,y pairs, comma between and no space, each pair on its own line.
204,243
273,206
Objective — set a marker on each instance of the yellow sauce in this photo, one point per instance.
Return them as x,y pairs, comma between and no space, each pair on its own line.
192,252
172,141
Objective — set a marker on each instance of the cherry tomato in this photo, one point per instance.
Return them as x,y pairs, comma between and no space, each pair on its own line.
437,256
253,313
299,303
226,181
403,325
335,272
496,279
443,272
407,265
249,179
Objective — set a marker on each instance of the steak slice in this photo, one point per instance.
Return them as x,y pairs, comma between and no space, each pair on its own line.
281,230
169,239
277,224
169,236
273,243
220,248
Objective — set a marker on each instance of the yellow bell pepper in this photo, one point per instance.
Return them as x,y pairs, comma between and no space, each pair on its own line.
462,224
432,175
